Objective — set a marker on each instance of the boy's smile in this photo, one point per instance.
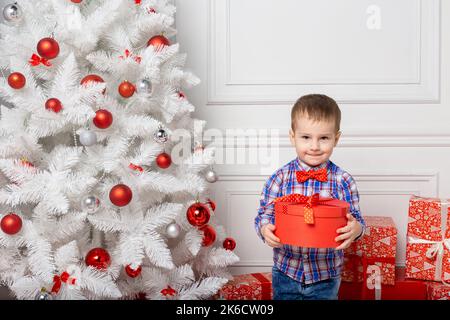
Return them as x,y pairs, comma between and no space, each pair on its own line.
314,140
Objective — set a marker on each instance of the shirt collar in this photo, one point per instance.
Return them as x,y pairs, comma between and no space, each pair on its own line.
301,166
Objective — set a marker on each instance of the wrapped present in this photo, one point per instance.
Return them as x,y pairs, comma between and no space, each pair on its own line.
309,222
374,252
254,286
428,239
403,289
438,291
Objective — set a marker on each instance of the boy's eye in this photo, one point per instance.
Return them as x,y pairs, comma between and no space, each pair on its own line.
305,137
324,138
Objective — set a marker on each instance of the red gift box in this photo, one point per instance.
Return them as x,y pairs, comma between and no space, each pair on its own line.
254,286
376,248
428,239
438,291
309,222
403,289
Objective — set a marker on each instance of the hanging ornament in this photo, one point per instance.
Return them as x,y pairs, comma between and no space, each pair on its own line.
133,273
144,86
98,258
120,195
173,230
211,203
161,135
76,1
126,89
90,204
198,214
16,80
168,291
48,48
138,2
158,42
209,235
135,167
88,138
163,160
92,78
53,104
103,119
13,12
43,295
211,176
35,60
229,244
181,95
59,279
11,223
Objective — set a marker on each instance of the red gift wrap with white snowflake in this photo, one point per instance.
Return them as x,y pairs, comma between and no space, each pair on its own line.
376,248
254,286
428,239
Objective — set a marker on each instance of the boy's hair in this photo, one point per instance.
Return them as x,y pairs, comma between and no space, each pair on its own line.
317,107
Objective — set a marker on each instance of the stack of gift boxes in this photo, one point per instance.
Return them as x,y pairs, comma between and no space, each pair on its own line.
369,270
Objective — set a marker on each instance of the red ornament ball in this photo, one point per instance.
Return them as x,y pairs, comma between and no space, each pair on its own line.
229,244
76,1
163,160
120,195
211,203
98,258
16,80
53,104
92,78
133,273
158,42
126,89
11,223
48,48
103,119
209,235
198,214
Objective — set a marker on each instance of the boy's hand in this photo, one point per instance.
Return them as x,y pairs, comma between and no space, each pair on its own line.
349,233
271,239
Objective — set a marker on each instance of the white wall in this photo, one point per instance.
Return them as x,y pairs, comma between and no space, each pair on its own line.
256,57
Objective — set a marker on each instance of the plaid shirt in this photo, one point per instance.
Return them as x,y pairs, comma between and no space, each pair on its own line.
308,265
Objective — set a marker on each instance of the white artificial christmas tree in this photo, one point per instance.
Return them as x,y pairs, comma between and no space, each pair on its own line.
91,205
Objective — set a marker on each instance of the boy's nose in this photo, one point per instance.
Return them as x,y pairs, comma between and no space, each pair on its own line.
315,145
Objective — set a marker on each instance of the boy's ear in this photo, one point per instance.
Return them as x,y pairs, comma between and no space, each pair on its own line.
336,140
291,137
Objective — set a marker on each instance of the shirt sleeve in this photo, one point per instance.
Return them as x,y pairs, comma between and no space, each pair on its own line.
350,194
271,190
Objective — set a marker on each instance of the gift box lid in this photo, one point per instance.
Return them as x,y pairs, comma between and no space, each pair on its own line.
325,208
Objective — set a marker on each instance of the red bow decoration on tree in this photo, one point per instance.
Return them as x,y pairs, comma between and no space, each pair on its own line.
137,1
129,54
36,60
168,291
58,280
319,175
135,167
309,202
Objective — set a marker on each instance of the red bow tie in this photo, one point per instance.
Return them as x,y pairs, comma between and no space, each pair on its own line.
319,175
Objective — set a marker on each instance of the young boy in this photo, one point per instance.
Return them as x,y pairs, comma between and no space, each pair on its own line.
310,273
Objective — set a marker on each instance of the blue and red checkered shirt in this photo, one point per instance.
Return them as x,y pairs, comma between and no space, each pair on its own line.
308,265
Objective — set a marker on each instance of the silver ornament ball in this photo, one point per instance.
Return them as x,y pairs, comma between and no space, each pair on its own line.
211,176
12,12
90,204
88,138
173,230
161,136
43,295
144,86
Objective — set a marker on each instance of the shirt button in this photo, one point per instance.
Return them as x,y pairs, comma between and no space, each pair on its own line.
305,256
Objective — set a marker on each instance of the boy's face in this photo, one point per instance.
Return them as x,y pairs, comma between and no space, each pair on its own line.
314,141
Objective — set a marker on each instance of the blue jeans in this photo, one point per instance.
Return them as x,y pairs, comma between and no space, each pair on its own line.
286,288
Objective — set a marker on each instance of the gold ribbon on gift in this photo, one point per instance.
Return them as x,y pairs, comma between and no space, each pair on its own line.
437,249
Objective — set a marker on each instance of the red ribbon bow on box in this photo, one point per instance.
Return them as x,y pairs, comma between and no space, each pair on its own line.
58,280
319,175
169,291
36,60
309,202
